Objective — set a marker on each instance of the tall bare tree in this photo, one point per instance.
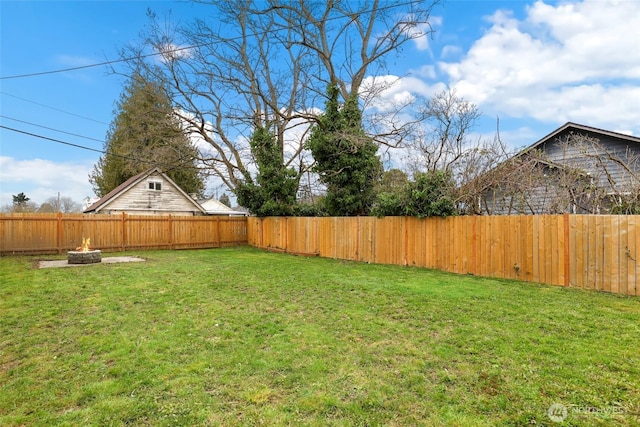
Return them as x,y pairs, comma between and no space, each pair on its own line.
60,204
267,64
441,140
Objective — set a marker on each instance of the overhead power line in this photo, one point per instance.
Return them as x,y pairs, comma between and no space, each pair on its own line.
52,108
179,49
165,166
55,140
49,128
98,64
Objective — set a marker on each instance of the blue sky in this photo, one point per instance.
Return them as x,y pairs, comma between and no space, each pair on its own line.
534,64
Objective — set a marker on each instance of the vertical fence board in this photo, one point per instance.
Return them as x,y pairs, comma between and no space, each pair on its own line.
295,236
497,246
585,232
444,259
623,274
600,252
575,256
415,241
522,247
325,237
557,260
613,284
435,243
346,238
366,238
456,235
465,242
549,249
482,250
508,256
545,250
558,230
510,247
451,233
429,244
439,243
486,236
633,256
459,234
519,241
607,267
591,281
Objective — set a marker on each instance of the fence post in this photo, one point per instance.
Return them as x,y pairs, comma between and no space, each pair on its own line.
286,234
405,246
219,244
124,232
261,231
474,245
567,251
358,240
59,236
170,233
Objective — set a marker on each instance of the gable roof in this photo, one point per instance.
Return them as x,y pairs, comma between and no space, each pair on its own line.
134,180
570,126
566,128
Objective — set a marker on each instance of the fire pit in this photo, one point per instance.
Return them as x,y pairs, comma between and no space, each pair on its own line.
84,255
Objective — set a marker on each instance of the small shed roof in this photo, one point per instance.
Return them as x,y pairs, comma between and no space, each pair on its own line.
215,207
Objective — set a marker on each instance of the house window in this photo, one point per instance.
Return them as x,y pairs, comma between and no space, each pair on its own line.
156,186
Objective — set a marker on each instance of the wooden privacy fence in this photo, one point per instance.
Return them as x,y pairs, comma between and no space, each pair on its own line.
57,233
598,252
584,251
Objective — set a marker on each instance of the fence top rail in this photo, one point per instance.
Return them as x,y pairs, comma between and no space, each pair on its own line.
453,216
52,216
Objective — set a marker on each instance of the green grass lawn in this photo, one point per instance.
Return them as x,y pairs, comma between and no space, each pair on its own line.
237,336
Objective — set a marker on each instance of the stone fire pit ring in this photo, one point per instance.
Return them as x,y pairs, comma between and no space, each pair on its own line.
84,257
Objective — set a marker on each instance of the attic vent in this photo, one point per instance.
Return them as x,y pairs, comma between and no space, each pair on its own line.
156,186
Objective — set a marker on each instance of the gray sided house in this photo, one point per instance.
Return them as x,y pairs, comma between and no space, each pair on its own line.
574,169
149,193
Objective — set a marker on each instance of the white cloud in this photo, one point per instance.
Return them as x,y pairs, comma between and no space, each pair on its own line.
170,52
576,61
41,179
425,71
388,93
450,51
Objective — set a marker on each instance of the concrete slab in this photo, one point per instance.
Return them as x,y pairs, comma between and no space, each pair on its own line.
105,260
